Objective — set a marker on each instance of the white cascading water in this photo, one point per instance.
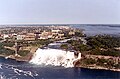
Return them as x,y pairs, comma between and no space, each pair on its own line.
54,57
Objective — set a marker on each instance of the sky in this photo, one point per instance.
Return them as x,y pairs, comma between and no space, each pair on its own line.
59,11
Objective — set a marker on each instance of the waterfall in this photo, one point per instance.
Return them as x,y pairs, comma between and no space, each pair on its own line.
55,57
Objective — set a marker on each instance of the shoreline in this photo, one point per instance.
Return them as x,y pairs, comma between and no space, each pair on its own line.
28,57
14,58
95,67
100,68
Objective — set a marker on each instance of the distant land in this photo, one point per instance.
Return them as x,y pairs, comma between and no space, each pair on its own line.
110,25
88,29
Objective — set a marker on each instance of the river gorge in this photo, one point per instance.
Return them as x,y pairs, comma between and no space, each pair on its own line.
50,63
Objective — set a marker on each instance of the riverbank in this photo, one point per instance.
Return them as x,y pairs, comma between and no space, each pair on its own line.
98,62
28,57
99,67
17,58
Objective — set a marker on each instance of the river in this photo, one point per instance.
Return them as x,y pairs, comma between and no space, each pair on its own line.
11,69
91,30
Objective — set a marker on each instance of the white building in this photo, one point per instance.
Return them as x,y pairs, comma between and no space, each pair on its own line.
5,36
20,37
55,31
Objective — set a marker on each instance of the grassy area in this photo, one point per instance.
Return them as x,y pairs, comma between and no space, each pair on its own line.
64,46
78,45
8,43
21,43
5,51
108,63
38,43
23,52
98,45
108,52
103,41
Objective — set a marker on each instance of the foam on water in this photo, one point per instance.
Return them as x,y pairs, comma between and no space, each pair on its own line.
54,57
2,77
15,72
0,66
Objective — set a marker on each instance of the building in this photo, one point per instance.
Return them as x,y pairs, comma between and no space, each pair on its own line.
46,35
71,33
55,31
5,36
20,37
29,36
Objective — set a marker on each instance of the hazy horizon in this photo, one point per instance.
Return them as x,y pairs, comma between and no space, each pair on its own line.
59,12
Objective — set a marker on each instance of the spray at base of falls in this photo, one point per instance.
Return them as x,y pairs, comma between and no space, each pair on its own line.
54,57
